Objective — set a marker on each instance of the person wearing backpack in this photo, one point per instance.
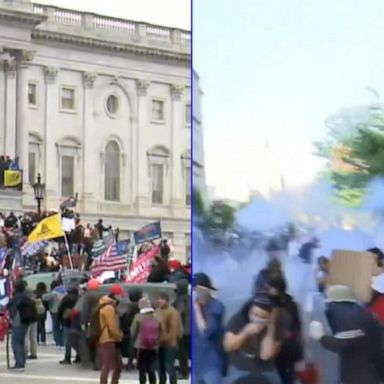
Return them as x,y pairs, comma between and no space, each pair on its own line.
171,323
146,332
22,313
109,335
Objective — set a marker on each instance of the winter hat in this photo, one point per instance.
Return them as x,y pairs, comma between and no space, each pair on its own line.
145,306
117,290
378,283
174,264
93,285
340,294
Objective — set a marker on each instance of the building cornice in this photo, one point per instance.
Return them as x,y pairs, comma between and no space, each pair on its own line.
21,16
111,46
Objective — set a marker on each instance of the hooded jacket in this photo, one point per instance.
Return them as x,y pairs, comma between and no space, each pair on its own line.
67,304
356,339
109,322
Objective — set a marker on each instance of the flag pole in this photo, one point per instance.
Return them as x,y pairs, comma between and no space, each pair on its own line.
69,253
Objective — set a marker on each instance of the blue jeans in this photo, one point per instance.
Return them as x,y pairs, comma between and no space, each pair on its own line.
211,377
167,357
236,375
18,344
57,330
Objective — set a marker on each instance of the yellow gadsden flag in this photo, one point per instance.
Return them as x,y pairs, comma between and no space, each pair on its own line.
12,178
47,229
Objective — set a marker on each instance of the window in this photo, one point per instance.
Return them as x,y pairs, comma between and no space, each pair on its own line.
157,110
188,186
67,175
112,104
157,183
112,172
32,94
68,99
32,167
188,114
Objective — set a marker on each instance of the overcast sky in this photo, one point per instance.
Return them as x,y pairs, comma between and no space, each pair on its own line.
275,70
172,13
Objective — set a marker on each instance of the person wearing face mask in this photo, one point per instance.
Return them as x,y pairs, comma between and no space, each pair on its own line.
208,318
253,341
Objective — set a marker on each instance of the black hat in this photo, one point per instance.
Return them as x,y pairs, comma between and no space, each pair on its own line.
202,280
263,301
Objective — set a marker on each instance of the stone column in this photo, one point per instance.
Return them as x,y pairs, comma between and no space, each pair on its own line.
90,176
176,140
22,130
50,153
10,108
142,199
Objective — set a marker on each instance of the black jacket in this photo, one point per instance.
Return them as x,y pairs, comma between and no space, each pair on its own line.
356,339
68,303
159,274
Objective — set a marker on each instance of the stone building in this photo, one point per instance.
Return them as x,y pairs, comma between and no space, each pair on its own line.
100,107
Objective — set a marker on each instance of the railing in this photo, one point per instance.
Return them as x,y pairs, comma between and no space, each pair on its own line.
90,21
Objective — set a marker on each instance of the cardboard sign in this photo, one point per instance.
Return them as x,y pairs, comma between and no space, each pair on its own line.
354,269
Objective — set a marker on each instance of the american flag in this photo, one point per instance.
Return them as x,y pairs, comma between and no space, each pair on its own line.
110,260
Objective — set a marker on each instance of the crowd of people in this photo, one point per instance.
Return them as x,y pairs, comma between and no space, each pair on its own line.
151,333
264,342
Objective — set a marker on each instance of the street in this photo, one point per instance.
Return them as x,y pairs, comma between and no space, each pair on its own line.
47,370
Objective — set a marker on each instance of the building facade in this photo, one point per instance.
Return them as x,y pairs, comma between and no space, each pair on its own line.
100,107
198,142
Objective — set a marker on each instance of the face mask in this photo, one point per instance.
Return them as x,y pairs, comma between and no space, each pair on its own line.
257,320
201,294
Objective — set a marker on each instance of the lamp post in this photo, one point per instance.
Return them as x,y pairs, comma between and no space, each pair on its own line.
39,191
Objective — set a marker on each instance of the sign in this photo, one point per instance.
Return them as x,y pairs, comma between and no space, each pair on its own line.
68,224
140,269
354,269
48,228
149,232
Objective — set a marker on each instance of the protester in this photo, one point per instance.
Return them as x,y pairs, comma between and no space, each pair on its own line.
171,322
53,299
22,313
110,335
146,332
159,272
307,250
253,341
356,337
65,315
183,306
272,270
128,349
31,336
208,318
322,273
291,348
41,290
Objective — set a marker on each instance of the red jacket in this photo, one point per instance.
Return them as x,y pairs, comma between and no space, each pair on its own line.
377,308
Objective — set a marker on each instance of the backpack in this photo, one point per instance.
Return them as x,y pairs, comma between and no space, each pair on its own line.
95,329
27,311
40,307
149,333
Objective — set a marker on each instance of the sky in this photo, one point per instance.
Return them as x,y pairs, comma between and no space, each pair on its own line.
172,13
274,70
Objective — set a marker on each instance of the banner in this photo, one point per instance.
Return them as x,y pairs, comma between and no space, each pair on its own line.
12,178
48,228
141,268
149,232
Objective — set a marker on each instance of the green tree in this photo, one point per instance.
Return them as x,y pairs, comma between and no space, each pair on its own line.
220,215
359,144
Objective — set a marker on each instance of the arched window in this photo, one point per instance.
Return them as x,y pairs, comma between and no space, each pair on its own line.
112,172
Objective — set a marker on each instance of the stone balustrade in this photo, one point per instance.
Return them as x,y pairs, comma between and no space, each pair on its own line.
94,22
